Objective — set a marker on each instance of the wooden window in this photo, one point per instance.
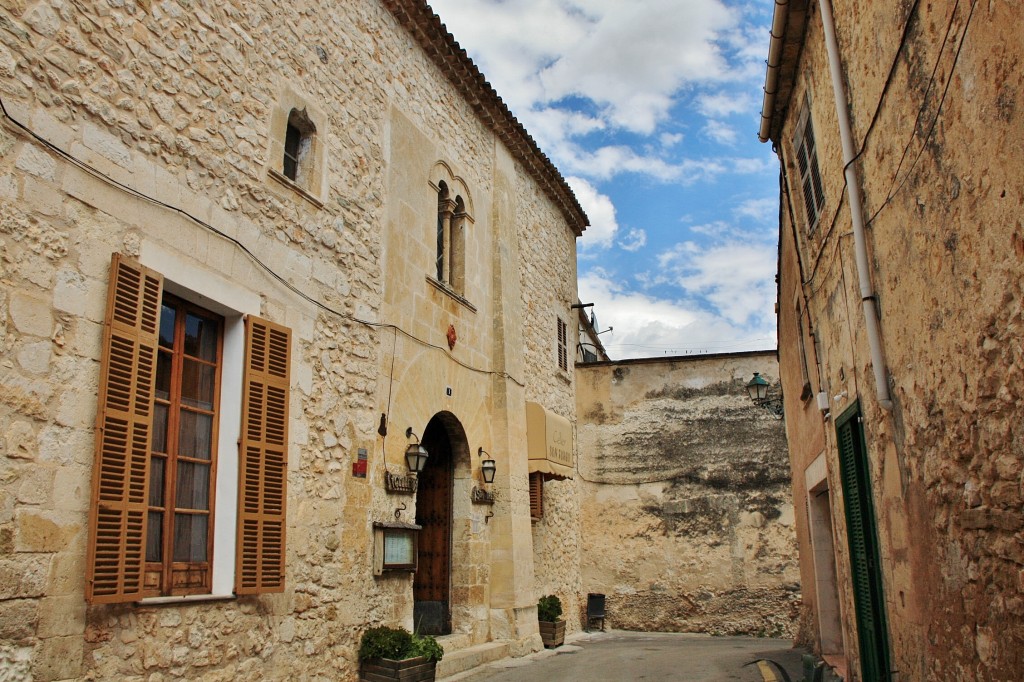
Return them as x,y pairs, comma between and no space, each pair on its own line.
182,470
536,496
810,176
150,521
563,345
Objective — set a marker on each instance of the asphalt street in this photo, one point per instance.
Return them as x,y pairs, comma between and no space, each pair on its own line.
620,656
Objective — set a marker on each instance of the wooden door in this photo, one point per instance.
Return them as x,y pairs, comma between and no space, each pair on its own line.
432,584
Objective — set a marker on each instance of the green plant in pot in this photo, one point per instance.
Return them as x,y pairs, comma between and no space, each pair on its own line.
550,622
387,653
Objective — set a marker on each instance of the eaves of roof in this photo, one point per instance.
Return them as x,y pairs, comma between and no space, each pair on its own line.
787,63
417,17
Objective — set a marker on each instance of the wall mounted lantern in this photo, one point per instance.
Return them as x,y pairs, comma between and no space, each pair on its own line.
757,388
488,467
415,455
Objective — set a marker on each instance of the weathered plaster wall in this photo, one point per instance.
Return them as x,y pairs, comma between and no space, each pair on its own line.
176,101
687,514
943,191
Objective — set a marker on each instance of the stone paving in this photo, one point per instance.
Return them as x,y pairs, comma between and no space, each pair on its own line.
651,657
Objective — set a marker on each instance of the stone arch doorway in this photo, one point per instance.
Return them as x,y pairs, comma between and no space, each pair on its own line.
445,441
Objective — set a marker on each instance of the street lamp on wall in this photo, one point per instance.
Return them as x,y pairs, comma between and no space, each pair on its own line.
488,467
415,455
757,388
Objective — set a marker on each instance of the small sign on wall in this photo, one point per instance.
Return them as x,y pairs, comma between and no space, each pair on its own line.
359,466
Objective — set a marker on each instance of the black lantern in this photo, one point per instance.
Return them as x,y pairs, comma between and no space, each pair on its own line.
488,467
415,455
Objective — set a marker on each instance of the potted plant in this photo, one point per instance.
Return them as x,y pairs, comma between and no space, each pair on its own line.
549,615
387,653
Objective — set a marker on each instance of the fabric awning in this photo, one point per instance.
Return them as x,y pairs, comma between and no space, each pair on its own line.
549,442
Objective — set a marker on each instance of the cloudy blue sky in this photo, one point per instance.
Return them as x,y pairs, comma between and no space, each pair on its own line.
649,108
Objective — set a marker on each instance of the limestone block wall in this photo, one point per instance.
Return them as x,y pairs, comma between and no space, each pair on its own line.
176,102
936,118
687,517
547,295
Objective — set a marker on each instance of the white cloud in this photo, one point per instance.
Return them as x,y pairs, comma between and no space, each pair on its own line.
670,139
721,104
647,326
600,210
735,277
762,210
635,240
720,132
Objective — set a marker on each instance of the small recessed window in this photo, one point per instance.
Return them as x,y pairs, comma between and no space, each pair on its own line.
298,143
810,175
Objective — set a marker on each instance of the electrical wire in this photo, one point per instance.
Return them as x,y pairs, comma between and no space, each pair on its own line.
78,163
890,77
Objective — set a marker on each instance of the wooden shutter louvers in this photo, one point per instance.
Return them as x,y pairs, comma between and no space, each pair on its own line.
117,516
263,459
536,495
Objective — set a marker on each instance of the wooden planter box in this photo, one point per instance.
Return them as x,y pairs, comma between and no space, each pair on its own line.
552,634
407,670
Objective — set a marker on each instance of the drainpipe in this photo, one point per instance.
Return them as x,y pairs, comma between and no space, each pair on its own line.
867,294
771,77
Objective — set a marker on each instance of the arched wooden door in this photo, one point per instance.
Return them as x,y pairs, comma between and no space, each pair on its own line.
432,583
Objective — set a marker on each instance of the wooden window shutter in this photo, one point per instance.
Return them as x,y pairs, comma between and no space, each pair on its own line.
124,420
263,459
536,496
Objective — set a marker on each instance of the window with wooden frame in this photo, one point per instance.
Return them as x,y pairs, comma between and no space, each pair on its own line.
563,344
182,470
810,175
536,496
155,470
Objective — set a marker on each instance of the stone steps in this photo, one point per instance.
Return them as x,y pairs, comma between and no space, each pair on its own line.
462,659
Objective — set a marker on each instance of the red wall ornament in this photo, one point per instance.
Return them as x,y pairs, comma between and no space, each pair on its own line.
452,337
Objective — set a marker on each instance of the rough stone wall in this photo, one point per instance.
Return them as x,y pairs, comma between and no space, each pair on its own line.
687,516
546,295
943,192
175,101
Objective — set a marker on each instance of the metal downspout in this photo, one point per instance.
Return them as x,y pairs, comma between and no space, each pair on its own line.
867,294
771,77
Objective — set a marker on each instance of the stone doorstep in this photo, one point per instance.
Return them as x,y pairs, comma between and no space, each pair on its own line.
461,660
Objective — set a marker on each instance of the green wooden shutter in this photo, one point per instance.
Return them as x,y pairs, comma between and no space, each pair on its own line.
865,566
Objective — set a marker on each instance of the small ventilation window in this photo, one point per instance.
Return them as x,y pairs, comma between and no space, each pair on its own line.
298,143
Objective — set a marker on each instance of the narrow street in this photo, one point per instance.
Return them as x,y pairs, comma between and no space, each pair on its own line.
653,657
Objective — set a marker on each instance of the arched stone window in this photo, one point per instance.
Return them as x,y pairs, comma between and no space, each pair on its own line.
452,218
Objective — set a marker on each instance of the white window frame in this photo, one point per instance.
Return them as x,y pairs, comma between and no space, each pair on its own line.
209,289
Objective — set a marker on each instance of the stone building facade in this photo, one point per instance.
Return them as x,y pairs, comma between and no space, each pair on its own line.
684,487
898,132
315,237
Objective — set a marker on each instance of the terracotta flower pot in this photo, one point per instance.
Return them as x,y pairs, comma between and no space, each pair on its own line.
407,670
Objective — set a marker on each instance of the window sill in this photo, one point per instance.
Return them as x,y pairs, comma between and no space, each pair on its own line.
294,187
184,599
564,375
442,287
